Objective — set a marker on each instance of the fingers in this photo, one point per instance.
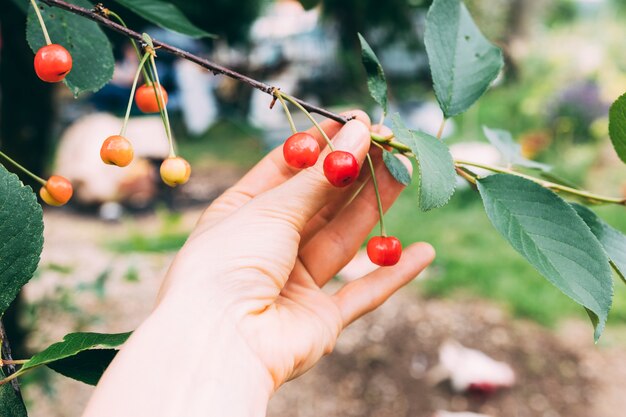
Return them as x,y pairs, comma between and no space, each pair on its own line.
296,201
270,172
366,294
330,211
345,233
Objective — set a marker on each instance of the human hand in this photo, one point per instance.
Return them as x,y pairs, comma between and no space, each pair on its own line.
244,294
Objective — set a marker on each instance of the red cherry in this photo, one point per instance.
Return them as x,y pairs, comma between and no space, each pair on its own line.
301,150
384,250
52,63
146,98
341,168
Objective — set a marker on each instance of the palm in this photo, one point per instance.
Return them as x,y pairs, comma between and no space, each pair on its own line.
276,239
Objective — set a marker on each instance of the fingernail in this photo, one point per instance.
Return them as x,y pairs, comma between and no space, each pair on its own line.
351,136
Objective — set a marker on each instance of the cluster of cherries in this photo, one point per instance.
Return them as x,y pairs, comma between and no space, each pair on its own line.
301,150
118,150
52,64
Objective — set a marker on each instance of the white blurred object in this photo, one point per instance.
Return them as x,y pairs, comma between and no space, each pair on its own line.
282,19
196,95
427,118
442,413
78,157
260,113
111,211
470,369
480,152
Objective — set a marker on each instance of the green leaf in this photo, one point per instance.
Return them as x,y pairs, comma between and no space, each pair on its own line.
397,169
511,150
462,62
437,178
309,4
165,15
376,82
617,126
86,366
11,404
553,238
92,55
611,239
21,236
69,358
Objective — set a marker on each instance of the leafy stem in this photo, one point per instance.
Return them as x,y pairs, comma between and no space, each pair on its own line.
287,113
108,12
23,169
378,199
295,102
590,197
41,22
132,92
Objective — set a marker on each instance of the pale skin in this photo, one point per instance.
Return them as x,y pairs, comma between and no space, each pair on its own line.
241,310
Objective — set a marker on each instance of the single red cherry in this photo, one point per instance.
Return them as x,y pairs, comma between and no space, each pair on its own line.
117,150
384,250
57,191
146,99
52,63
341,168
301,150
175,171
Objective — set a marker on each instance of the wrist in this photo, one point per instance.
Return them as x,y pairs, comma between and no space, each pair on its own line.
171,367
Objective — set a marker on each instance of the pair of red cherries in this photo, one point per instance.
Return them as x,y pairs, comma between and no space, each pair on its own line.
301,150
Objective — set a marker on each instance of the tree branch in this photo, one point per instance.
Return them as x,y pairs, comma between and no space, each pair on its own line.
205,63
5,354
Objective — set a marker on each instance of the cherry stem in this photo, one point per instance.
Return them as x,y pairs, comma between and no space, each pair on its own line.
24,170
441,127
378,199
146,76
593,198
162,106
132,92
13,362
293,101
41,22
287,113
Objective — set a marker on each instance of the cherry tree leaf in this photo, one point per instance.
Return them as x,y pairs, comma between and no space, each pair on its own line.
376,82
165,15
92,54
463,62
511,150
437,178
617,126
21,236
397,169
612,240
82,356
549,233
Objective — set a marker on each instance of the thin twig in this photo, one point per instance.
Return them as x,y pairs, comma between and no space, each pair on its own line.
205,63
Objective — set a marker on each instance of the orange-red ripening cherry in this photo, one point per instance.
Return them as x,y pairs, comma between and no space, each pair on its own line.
175,171
52,63
384,250
146,99
341,168
117,150
57,191
301,150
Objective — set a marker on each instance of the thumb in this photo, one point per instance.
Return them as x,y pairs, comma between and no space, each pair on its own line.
300,198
